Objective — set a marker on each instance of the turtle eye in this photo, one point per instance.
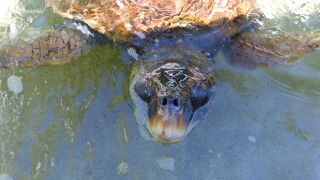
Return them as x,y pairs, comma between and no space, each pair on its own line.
144,92
200,97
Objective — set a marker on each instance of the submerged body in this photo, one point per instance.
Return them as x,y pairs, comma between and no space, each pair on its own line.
173,81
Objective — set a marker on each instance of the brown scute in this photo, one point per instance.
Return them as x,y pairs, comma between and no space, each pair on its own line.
148,15
57,47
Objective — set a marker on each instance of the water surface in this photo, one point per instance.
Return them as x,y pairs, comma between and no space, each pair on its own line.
76,121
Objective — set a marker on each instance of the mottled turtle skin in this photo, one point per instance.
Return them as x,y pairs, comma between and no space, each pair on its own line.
173,80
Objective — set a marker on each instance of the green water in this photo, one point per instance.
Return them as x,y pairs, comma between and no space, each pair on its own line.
76,121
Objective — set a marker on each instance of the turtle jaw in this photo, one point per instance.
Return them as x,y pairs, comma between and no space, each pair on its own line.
169,119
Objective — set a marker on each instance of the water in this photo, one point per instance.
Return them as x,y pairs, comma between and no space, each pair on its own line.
76,121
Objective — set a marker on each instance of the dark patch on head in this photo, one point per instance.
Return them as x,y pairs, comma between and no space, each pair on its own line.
144,91
200,96
174,77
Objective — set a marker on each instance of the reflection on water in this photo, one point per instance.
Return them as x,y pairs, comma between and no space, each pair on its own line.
301,9
76,121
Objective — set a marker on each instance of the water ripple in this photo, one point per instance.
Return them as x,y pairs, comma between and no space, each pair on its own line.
301,88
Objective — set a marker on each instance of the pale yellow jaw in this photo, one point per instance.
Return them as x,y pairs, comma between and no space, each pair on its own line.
168,128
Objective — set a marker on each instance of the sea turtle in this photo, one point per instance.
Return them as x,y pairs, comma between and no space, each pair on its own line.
173,43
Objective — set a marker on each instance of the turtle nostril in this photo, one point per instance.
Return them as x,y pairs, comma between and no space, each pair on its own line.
163,101
176,102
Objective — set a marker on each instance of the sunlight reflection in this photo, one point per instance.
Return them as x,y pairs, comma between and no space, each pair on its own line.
6,6
274,9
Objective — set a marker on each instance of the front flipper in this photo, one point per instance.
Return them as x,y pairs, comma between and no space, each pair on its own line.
57,46
271,46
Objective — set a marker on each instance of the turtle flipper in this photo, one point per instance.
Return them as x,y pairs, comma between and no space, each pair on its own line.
58,46
270,46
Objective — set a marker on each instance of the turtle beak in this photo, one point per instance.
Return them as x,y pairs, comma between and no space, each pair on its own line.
169,118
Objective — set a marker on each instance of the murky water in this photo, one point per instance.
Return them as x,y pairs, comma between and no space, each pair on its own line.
76,121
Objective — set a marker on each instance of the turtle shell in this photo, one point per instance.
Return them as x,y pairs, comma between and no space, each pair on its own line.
126,17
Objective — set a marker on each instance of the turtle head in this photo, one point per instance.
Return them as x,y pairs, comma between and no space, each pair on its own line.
174,91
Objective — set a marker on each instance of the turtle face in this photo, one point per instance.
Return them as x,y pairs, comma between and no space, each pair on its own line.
174,91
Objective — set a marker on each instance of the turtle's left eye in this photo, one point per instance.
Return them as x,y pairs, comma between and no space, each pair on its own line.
200,97
144,92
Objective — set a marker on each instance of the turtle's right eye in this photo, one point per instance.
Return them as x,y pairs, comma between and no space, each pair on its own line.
200,97
144,92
